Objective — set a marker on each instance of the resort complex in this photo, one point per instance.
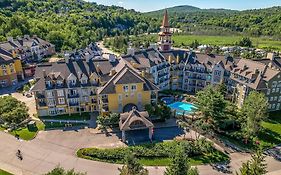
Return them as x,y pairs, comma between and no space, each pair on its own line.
85,81
86,87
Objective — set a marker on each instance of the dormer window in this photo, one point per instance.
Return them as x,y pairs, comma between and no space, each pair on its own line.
59,83
84,81
48,84
72,82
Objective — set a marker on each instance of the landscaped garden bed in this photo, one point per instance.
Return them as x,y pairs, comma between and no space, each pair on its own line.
157,154
57,125
83,117
2,172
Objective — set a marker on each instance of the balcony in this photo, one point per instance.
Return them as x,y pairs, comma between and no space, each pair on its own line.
40,96
104,100
73,104
93,93
73,95
196,78
42,104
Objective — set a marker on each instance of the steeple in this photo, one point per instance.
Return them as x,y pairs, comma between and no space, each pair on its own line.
165,22
165,36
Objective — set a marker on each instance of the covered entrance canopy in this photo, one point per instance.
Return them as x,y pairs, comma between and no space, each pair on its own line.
135,120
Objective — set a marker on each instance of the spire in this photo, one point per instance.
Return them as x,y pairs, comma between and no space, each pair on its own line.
165,22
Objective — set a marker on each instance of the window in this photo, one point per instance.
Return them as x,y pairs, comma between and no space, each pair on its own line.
269,106
278,106
273,106
61,101
277,89
279,99
274,83
50,94
273,90
60,93
126,88
268,91
134,87
51,102
84,81
271,99
275,98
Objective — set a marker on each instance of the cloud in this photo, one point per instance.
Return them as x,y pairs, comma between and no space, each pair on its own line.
120,2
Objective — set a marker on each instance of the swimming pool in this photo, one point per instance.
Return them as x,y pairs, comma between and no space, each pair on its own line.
181,107
168,100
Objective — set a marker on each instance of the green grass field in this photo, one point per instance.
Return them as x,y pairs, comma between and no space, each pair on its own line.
260,42
83,116
2,172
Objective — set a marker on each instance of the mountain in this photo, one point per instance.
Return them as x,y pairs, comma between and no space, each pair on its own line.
69,24
184,9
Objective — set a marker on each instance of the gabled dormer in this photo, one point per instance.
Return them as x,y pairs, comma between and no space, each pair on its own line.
71,80
84,79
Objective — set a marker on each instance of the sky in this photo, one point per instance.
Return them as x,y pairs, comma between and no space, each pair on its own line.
150,5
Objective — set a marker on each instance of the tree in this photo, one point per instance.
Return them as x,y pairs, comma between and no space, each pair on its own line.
253,112
245,42
12,111
161,110
132,166
194,44
211,104
255,166
179,164
60,171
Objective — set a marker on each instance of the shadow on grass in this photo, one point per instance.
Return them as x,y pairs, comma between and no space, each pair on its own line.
269,136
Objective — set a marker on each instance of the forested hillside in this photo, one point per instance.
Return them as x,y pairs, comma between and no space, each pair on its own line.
69,24
259,22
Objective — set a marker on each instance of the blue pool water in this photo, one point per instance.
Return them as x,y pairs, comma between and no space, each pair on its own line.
181,107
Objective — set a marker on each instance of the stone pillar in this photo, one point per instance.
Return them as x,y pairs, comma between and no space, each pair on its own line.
123,136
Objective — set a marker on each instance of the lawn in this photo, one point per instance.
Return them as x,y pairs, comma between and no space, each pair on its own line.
2,172
155,154
258,42
25,133
269,136
186,40
83,116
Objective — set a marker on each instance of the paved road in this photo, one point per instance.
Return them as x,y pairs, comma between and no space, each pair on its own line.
54,148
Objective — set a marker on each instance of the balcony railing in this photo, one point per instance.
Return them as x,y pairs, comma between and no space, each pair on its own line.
73,95
40,96
42,104
73,104
104,100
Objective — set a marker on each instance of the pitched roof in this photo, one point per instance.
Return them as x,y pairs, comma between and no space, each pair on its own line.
126,75
77,68
5,57
165,22
126,119
145,58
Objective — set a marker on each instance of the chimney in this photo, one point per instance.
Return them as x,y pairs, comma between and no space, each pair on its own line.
26,37
67,58
98,68
44,73
19,38
112,72
87,56
131,51
9,38
112,58
270,56
143,73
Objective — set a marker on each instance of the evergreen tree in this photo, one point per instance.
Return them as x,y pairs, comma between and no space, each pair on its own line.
253,112
60,171
132,166
255,166
179,164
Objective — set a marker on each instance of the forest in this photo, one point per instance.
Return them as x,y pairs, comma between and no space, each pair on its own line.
72,24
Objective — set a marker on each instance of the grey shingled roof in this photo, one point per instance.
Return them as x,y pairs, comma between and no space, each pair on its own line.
100,67
126,75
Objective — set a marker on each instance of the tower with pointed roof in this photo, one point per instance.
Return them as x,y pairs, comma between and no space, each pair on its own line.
165,35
